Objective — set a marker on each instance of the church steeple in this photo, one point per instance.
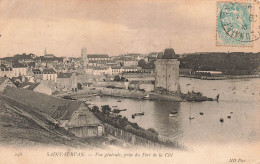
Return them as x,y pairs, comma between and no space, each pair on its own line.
45,51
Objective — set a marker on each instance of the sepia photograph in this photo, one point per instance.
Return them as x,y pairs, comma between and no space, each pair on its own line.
130,81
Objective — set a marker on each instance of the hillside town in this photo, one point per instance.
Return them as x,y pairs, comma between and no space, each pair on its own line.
54,91
51,85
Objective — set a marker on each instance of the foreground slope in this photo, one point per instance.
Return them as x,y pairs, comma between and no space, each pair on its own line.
21,125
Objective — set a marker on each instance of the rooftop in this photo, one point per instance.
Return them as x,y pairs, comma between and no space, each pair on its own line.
18,65
2,79
168,54
130,67
48,71
82,117
64,75
57,108
97,56
116,67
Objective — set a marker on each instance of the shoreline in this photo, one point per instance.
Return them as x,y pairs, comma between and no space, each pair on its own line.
137,95
224,77
123,93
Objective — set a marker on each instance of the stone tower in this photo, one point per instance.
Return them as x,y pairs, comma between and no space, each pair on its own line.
84,56
167,71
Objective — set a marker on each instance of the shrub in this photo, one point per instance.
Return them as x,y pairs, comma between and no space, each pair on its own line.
95,108
106,109
153,131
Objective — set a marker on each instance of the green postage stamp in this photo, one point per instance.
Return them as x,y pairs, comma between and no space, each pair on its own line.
237,23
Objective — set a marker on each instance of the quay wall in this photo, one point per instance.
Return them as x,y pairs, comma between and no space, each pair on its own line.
121,92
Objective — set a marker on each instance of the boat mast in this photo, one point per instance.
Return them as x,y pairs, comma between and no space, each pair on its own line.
190,111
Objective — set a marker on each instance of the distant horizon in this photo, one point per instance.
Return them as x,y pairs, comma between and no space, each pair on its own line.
125,53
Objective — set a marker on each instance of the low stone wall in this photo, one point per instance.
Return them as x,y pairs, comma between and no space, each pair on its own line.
109,83
131,138
121,92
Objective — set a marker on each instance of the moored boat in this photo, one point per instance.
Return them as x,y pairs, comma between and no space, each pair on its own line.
173,113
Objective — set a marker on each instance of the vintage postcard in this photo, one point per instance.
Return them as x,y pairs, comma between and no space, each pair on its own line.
130,81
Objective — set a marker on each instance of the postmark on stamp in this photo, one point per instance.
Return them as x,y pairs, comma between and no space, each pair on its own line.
237,23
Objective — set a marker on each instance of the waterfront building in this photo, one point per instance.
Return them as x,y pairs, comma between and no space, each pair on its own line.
167,71
67,81
146,86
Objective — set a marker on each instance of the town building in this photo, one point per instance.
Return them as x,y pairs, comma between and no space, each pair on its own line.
6,71
116,70
37,87
130,62
146,86
73,115
19,69
49,74
67,82
26,60
101,71
130,69
153,56
84,124
167,71
16,70
98,57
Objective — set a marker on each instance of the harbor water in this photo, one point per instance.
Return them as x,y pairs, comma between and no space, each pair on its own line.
239,99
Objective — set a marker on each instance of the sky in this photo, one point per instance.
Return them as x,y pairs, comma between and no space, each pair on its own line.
110,27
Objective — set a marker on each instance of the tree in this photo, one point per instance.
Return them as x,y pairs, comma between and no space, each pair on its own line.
79,86
106,109
141,63
95,108
122,79
117,78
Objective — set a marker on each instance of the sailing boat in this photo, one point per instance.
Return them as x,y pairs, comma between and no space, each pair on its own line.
191,117
217,97
138,113
221,118
233,86
173,113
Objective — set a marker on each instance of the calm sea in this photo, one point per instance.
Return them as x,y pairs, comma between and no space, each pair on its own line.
240,96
